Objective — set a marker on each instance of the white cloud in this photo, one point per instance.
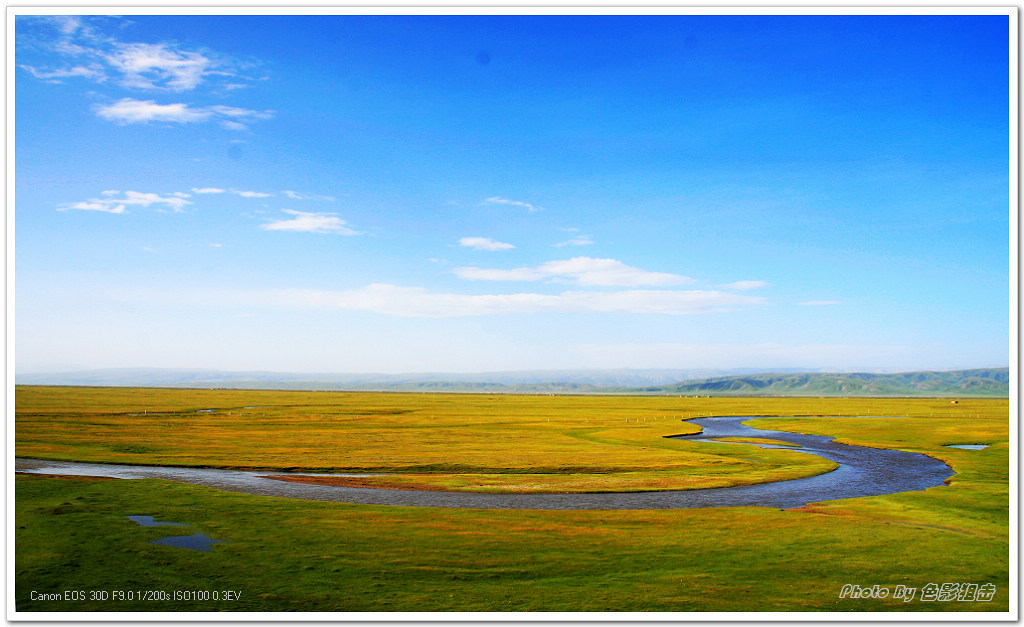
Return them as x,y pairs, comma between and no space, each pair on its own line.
246,194
132,111
419,302
484,243
498,200
110,204
580,270
88,47
92,71
67,24
745,285
208,190
294,195
311,223
93,206
576,240
99,56
156,66
819,303
236,112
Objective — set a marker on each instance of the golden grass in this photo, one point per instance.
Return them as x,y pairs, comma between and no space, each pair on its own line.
288,554
448,441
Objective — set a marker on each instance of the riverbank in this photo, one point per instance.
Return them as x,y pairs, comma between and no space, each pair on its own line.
452,442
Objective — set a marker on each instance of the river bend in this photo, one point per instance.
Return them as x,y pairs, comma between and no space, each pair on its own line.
862,471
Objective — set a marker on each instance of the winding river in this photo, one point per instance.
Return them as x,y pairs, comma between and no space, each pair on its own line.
862,471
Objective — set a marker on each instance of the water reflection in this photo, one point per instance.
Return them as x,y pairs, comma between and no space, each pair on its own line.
147,521
196,542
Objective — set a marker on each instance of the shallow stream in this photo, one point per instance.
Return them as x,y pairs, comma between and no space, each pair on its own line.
863,471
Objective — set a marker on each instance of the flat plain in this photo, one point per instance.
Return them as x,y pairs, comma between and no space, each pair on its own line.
291,555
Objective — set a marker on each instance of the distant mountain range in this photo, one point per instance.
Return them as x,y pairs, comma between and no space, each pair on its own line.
171,377
977,382
993,382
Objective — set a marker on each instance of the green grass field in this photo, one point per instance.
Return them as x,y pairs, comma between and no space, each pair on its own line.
288,555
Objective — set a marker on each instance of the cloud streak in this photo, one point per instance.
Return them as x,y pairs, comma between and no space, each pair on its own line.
307,222
498,200
132,111
745,285
417,302
484,243
579,270
112,204
576,240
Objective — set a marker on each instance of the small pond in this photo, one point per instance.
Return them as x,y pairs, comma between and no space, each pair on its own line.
147,521
196,541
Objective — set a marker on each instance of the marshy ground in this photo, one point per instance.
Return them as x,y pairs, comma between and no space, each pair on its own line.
289,555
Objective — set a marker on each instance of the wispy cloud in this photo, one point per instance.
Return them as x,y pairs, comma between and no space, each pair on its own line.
484,243
420,302
238,192
576,240
819,303
132,111
745,285
91,71
62,48
158,66
93,206
112,204
579,270
305,222
80,49
498,200
294,195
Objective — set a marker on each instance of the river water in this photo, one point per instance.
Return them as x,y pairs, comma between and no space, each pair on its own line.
862,471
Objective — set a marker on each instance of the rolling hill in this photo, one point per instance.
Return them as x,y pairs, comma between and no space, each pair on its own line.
992,382
976,382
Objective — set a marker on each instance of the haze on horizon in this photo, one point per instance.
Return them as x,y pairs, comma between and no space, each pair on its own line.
497,193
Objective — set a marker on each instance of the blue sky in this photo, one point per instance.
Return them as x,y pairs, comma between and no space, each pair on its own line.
474,193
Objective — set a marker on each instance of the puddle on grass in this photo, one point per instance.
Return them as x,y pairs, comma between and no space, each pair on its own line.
970,447
196,542
147,521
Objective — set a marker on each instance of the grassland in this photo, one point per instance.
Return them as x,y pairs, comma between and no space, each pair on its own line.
486,443
288,555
